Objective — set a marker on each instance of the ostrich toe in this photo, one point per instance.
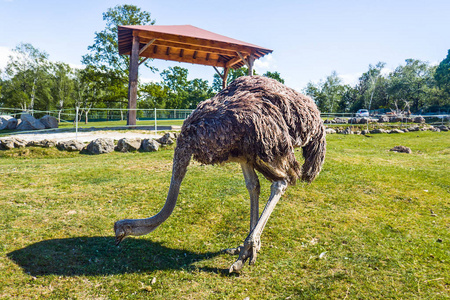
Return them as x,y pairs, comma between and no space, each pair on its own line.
249,250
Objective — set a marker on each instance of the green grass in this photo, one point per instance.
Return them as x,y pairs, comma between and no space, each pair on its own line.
382,220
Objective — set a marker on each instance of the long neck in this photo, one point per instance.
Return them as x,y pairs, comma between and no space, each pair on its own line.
181,160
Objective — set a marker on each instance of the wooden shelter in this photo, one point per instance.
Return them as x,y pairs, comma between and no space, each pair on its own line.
182,43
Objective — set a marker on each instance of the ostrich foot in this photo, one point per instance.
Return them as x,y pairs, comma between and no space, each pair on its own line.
233,251
249,250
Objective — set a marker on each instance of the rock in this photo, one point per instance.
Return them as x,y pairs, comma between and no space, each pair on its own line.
419,119
43,143
49,121
383,119
396,131
435,129
340,120
149,145
29,123
330,131
167,139
442,128
378,130
11,143
347,130
364,132
100,146
70,146
414,128
8,122
128,145
401,149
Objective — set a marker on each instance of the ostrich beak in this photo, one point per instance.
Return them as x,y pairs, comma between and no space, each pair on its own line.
119,239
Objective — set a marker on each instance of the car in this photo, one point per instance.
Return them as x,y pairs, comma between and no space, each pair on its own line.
362,113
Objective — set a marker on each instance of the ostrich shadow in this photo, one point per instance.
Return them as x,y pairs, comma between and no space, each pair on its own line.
99,256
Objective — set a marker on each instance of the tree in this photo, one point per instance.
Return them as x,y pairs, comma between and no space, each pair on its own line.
28,77
175,79
62,85
274,75
327,94
442,75
104,52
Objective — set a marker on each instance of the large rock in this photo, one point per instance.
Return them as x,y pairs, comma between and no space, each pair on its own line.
167,139
330,131
419,119
128,145
43,143
340,120
401,149
396,131
100,146
8,122
29,123
149,145
49,121
442,128
378,130
11,143
347,130
383,119
70,146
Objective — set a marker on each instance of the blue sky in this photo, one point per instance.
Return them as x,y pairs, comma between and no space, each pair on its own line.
310,39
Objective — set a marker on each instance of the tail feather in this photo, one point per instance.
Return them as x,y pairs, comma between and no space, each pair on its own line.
314,154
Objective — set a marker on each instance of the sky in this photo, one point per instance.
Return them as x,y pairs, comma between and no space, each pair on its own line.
310,39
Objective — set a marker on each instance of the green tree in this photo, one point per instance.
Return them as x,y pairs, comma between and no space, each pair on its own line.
175,79
442,75
153,95
274,75
62,86
327,94
28,77
104,54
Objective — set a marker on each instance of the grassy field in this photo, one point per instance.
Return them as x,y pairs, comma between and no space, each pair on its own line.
177,122
374,225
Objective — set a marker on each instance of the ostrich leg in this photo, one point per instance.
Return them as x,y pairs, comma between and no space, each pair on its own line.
252,243
253,187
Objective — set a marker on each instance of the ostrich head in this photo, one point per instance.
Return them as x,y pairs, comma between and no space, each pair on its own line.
124,228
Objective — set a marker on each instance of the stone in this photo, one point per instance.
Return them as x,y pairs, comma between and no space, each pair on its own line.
383,119
378,130
149,145
49,121
401,149
128,145
396,131
11,143
43,143
419,119
70,146
330,131
8,122
365,131
340,120
347,130
442,128
414,128
100,146
167,139
28,122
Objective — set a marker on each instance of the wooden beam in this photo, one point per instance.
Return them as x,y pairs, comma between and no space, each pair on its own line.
251,60
146,46
181,52
243,59
168,51
207,56
217,71
142,61
133,82
146,34
233,61
195,55
225,77
176,57
196,48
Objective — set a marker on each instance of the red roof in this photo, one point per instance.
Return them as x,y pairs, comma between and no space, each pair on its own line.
187,43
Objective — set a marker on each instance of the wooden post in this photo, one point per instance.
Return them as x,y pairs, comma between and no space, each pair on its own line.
250,60
133,81
225,77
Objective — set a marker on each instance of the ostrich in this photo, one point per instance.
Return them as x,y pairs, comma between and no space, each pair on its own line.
256,122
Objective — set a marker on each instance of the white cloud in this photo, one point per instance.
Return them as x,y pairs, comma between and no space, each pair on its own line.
265,63
5,52
350,79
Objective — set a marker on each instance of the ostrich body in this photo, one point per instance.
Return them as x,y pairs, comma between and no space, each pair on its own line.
256,122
